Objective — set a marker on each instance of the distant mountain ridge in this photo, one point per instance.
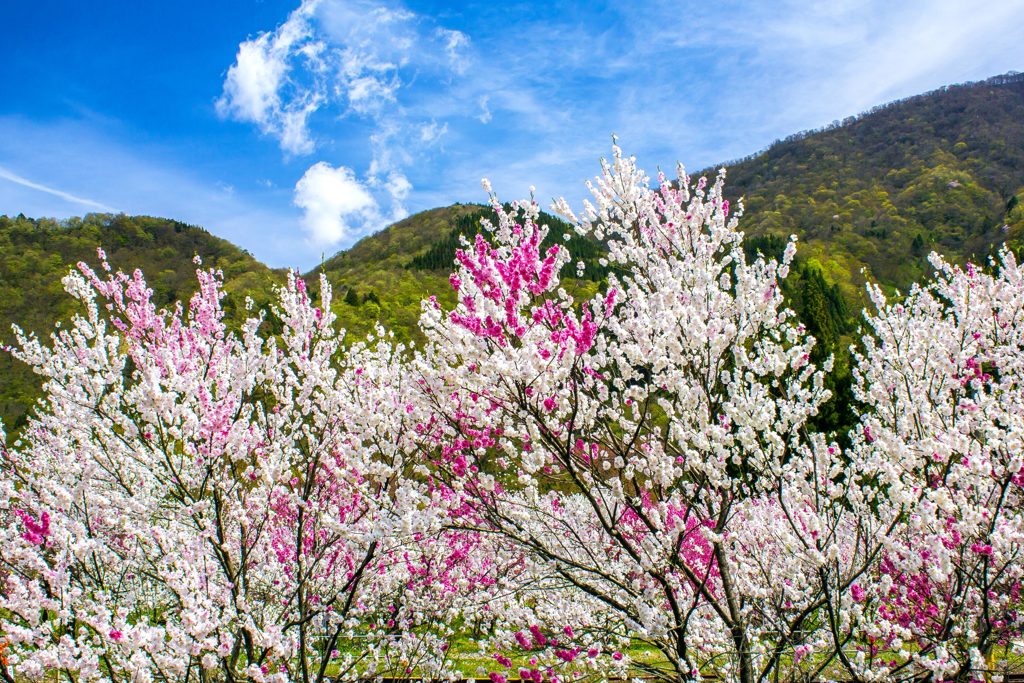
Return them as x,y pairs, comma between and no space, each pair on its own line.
875,193
943,170
868,198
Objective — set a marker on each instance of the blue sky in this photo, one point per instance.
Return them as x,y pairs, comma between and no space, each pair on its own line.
294,129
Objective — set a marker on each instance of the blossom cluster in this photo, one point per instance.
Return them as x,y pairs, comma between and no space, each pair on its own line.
626,484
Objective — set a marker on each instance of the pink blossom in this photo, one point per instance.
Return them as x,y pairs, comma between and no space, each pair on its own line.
36,532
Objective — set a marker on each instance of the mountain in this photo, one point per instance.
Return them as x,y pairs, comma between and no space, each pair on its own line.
941,171
36,254
869,197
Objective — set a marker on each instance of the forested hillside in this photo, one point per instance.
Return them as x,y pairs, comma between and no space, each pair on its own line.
868,197
942,171
35,254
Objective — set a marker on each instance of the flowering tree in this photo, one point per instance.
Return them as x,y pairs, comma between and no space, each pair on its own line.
647,446
941,376
192,504
558,479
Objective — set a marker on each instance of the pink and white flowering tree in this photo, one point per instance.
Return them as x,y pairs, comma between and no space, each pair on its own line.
941,376
647,446
195,504
555,478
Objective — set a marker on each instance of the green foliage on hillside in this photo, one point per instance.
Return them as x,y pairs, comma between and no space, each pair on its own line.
36,254
880,191
869,198
872,196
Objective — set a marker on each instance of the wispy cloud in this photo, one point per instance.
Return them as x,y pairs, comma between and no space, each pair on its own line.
66,196
755,71
267,83
140,179
361,59
357,58
485,110
369,109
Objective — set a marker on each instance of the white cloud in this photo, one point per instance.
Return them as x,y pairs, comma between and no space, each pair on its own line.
399,187
455,44
66,196
362,58
369,94
256,84
384,35
293,127
485,109
336,205
326,51
250,89
392,145
431,132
